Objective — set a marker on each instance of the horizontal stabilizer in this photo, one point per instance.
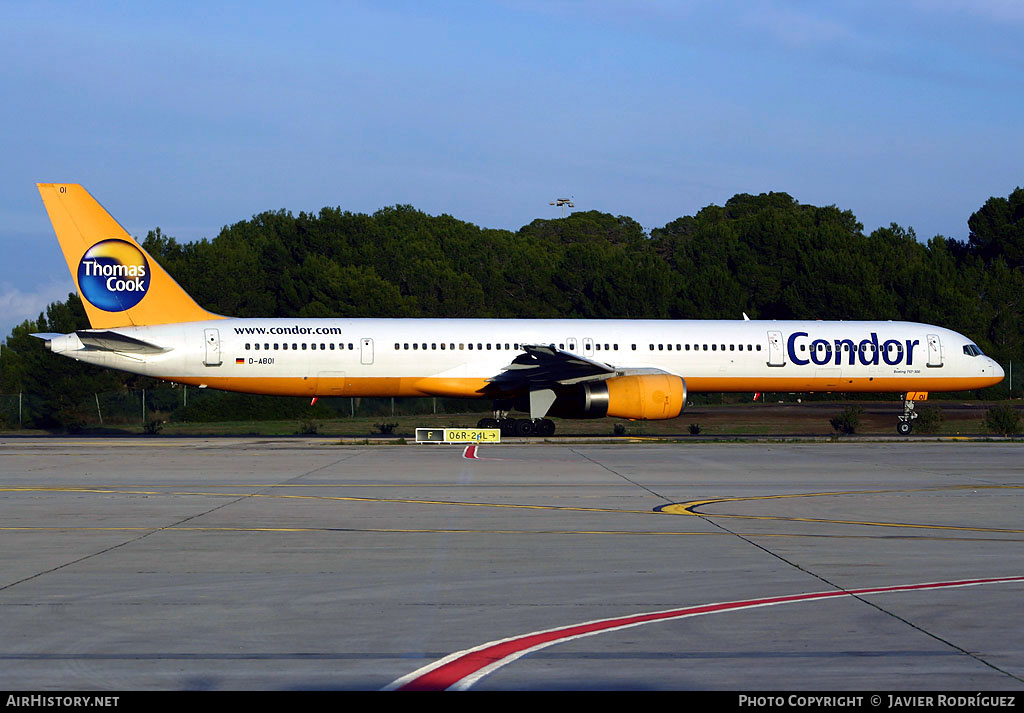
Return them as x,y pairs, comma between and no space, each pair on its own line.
115,342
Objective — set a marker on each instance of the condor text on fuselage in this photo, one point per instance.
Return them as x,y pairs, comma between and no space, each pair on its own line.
866,352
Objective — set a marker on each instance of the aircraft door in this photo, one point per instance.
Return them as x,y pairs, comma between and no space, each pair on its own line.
366,351
570,344
934,351
212,357
776,353
588,347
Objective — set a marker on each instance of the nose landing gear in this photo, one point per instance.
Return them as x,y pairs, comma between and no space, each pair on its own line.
906,421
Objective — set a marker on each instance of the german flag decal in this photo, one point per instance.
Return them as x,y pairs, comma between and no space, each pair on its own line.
239,360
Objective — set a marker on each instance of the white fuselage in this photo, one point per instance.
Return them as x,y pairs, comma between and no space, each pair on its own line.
455,357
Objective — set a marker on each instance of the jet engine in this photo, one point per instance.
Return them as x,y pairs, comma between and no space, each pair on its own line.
642,396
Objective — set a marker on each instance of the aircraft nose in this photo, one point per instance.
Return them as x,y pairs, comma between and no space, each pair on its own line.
997,370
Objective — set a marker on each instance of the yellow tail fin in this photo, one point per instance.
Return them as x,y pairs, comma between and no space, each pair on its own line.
120,284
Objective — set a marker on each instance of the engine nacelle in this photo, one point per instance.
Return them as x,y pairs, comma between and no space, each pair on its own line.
644,396
647,396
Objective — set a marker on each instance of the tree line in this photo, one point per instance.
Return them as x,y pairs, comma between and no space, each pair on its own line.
768,256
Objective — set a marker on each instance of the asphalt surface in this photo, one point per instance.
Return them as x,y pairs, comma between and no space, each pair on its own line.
248,563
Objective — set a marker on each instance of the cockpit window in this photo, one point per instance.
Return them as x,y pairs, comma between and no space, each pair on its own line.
972,350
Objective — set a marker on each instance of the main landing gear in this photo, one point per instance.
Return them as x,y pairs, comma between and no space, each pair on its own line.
542,427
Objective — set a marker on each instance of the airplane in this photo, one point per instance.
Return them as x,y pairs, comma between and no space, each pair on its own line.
143,322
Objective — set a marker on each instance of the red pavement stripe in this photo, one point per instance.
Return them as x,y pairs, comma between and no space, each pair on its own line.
462,669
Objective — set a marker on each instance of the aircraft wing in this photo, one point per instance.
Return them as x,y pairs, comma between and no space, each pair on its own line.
545,365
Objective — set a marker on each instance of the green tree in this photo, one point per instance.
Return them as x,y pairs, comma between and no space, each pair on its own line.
58,387
997,229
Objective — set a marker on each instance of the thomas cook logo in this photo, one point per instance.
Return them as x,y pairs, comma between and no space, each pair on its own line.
113,275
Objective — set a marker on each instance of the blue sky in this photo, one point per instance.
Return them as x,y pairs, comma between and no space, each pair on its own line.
191,116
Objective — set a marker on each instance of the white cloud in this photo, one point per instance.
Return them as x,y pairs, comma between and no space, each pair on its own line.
17,305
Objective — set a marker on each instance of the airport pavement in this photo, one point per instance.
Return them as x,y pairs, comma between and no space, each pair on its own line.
256,563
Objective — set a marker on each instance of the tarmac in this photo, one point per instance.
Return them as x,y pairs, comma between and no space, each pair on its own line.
301,563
